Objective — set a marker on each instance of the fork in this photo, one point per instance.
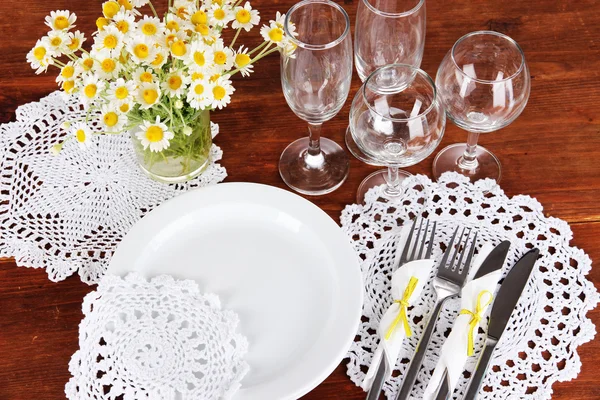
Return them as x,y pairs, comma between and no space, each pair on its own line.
383,368
448,282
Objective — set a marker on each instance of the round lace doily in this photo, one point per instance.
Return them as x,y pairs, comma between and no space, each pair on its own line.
157,339
540,344
67,213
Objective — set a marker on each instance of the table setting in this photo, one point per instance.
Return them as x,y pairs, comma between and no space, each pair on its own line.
436,283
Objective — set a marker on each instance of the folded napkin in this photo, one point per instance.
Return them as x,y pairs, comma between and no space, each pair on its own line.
476,296
407,283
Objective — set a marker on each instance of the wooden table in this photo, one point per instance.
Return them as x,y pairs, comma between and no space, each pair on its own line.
550,152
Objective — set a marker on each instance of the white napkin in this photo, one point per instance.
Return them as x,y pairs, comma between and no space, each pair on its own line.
454,351
419,269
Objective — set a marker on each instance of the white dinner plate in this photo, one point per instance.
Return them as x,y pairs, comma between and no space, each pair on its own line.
273,257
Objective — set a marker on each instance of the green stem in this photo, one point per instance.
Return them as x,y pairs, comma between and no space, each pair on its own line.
154,10
254,60
260,46
59,63
235,38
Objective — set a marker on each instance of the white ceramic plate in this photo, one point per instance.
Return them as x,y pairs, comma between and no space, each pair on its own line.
276,259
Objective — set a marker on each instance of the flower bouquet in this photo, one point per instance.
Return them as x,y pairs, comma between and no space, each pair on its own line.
155,78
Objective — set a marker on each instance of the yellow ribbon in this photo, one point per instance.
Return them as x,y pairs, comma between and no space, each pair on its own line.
476,317
410,288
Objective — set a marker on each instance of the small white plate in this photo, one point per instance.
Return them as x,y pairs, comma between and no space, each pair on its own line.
273,257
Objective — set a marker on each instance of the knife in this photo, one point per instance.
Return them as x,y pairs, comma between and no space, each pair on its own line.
493,262
505,303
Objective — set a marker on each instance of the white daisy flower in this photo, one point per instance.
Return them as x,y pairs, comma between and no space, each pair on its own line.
142,50
82,134
179,49
155,136
221,92
39,57
160,58
61,20
273,34
126,107
110,8
148,94
175,23
175,83
84,64
220,15
69,86
184,9
75,41
57,42
108,66
199,95
171,37
150,27
200,56
68,72
242,61
122,91
245,17
289,48
110,39
143,75
127,6
222,56
92,86
200,16
124,21
111,119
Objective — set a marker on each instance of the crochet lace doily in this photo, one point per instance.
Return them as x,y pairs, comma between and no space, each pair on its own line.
67,213
540,344
157,339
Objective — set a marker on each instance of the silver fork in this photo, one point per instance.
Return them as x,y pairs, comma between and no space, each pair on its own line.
448,282
418,252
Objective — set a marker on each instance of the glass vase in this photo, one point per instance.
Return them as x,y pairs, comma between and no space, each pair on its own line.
186,157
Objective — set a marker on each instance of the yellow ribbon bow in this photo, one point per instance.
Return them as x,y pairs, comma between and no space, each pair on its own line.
475,318
410,288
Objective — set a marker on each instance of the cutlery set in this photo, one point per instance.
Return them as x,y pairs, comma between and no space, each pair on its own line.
451,276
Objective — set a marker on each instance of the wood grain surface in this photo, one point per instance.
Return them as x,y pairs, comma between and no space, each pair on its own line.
551,152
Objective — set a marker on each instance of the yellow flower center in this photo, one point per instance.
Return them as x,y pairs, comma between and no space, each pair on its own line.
39,52
61,22
219,92
197,75
108,65
111,118
243,16
124,107
88,63
220,57
158,60
55,41
214,77
175,82
122,26
74,45
140,50
242,59
276,35
170,38
68,86
150,96
90,90
173,25
101,22
154,134
199,89
121,92
146,77
67,71
182,12
126,4
199,17
219,14
110,9
148,29
110,42
199,58
178,48
80,135
202,29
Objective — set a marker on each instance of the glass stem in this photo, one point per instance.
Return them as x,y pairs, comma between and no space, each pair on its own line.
314,139
393,182
468,161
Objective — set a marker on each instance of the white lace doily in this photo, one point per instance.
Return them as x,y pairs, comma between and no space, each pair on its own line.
157,339
540,344
67,213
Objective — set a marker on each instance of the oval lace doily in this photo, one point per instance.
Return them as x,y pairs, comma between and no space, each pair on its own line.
67,213
157,339
540,344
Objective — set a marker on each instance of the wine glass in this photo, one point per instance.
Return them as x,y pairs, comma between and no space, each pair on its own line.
396,120
484,84
316,82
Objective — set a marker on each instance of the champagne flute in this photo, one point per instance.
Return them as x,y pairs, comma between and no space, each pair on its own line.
316,81
484,83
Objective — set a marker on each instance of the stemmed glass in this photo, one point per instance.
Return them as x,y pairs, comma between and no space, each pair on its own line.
484,84
387,32
396,120
316,82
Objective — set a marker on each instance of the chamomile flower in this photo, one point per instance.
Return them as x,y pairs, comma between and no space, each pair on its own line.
61,20
125,4
289,48
111,119
220,15
91,88
175,83
160,57
148,94
183,9
171,37
124,21
221,92
200,56
68,86
199,16
82,134
142,50
126,107
75,41
273,34
110,39
245,17
174,23
179,49
150,27
242,61
222,56
57,42
199,95
110,8
68,72
85,63
108,66
122,91
155,136
205,31
39,57
143,75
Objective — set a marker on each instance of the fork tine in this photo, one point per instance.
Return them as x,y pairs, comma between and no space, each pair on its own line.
416,242
431,238
471,252
451,265
448,249
423,241
462,253
404,255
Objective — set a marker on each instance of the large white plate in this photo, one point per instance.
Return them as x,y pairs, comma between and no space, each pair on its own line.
273,257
